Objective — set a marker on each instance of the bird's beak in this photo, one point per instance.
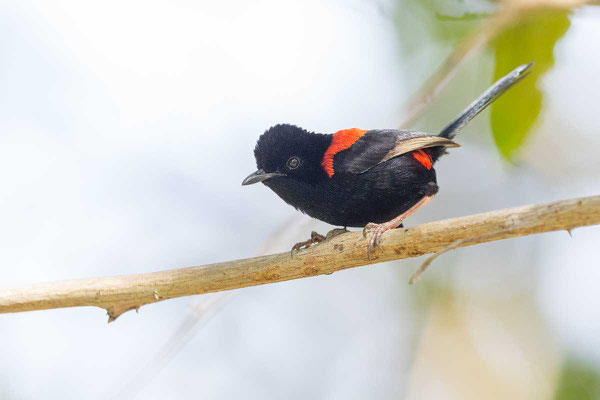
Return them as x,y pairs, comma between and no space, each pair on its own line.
259,176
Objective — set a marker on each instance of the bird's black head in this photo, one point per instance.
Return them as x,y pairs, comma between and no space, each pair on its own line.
287,152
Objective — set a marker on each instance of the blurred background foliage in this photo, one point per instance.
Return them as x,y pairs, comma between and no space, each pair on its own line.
126,128
578,380
532,37
519,35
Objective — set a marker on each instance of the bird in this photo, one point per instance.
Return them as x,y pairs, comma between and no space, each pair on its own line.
371,179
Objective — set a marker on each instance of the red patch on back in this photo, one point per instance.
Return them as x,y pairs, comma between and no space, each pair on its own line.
341,141
423,157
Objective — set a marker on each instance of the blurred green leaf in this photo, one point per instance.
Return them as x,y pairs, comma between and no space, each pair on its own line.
441,22
578,382
532,39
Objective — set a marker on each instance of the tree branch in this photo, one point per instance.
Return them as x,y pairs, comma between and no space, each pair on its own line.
123,293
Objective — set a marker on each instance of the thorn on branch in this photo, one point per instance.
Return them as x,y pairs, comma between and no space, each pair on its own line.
115,312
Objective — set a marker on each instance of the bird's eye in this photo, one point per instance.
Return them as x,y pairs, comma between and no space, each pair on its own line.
293,163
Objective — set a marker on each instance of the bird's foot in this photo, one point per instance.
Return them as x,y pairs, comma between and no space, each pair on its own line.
335,232
377,230
316,238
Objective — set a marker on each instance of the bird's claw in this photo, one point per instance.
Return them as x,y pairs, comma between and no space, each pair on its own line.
369,227
336,232
314,239
375,240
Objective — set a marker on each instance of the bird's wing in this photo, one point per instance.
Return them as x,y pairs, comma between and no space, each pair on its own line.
380,145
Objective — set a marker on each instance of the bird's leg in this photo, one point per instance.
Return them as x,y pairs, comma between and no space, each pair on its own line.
378,229
316,238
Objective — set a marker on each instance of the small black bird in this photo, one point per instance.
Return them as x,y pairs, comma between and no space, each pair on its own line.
360,178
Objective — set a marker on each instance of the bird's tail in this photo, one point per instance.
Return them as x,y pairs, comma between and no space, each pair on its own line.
486,98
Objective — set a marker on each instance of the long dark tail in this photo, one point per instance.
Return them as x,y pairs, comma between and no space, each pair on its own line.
486,98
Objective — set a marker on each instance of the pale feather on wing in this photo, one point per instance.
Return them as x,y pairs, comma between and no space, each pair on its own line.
404,146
